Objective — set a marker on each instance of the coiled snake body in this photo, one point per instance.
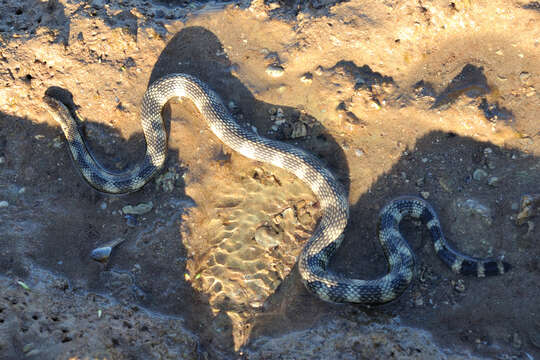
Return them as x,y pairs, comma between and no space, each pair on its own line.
327,237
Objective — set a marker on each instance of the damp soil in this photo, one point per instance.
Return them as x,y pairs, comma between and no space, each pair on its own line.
437,99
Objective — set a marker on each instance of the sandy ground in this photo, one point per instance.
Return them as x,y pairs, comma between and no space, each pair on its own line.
433,98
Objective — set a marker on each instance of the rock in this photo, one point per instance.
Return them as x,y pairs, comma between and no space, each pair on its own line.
359,152
479,174
307,78
275,71
299,130
167,181
131,220
492,181
266,237
139,209
527,208
4,204
424,194
524,77
473,207
517,343
103,253
459,285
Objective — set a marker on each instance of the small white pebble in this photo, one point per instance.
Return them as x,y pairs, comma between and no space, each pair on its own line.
22,190
358,152
2,160
103,205
4,204
275,71
306,78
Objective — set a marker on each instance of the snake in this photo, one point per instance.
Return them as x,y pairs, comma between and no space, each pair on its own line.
313,261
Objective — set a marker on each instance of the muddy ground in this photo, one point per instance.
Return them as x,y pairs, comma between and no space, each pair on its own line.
432,98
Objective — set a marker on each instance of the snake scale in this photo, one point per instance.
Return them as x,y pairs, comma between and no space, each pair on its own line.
328,235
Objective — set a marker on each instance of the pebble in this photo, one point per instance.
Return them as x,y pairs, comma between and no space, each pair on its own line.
2,160
479,174
524,77
232,106
299,130
319,71
4,204
492,181
168,180
103,205
33,353
527,207
139,209
275,71
57,142
424,194
131,220
359,152
103,252
307,78
517,343
265,236
474,207
28,347
459,285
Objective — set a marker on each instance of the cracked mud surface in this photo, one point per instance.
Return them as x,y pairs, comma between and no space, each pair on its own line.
437,99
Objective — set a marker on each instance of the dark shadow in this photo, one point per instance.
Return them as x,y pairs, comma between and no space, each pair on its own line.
441,165
198,52
184,54
54,220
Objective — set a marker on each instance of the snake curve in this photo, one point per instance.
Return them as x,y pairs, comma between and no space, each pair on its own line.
327,236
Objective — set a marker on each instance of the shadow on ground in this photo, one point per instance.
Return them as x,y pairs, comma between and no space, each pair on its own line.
478,218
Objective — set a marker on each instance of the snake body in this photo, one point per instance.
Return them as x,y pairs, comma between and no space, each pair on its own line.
328,235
